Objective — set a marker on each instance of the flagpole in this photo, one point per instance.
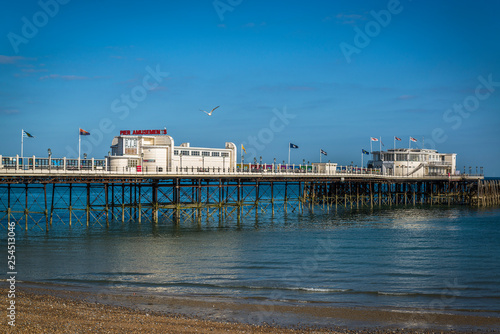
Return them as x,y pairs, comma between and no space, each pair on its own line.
79,147
408,156
362,159
371,141
394,143
22,143
319,155
380,144
289,144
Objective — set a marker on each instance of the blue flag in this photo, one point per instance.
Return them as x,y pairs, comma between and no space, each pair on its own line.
365,152
293,146
323,152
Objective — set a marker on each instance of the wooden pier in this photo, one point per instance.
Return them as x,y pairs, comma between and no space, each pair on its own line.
41,201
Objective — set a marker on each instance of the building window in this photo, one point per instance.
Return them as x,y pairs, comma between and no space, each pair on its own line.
215,154
225,154
196,153
402,157
132,163
130,145
205,154
184,152
176,152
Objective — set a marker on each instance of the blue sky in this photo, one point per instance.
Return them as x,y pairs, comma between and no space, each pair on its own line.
323,75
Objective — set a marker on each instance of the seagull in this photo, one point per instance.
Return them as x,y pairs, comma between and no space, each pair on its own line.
211,111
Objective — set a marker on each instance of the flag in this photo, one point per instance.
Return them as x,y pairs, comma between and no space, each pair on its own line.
323,152
413,139
374,139
27,134
293,146
397,138
243,149
84,133
365,152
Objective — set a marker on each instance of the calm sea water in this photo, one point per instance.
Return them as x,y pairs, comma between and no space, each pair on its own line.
431,258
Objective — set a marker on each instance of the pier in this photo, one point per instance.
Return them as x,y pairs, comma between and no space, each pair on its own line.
42,198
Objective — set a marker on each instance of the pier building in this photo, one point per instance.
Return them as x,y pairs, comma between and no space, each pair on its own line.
158,153
414,162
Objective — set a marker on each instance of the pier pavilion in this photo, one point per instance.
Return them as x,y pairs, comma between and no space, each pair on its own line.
414,162
157,153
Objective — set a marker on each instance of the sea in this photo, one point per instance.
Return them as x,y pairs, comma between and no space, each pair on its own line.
439,258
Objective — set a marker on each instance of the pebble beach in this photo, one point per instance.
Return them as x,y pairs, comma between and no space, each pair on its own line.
40,310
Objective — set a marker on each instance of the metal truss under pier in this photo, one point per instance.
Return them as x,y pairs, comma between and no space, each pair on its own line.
350,194
41,202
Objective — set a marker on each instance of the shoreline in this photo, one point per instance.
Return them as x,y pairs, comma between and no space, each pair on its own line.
42,306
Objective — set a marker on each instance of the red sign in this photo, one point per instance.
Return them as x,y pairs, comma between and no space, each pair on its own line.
143,132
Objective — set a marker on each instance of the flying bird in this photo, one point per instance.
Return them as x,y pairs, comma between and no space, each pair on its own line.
211,111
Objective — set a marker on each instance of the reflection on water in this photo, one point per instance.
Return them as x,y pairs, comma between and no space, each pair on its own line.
403,257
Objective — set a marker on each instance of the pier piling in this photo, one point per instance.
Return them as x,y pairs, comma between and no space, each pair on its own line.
186,197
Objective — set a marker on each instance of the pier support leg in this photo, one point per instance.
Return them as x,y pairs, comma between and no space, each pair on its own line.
112,201
155,201
371,194
140,206
257,191
88,204
130,203
123,202
70,202
46,211
52,203
26,210
177,211
272,198
106,199
8,203
285,201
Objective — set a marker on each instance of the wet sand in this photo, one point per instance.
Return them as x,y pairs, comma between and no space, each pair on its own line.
45,309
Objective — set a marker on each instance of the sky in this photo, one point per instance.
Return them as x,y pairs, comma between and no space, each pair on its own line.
319,74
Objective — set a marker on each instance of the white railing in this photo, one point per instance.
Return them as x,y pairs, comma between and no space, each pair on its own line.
60,166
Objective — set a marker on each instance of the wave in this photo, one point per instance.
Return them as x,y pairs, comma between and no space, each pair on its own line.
323,293
199,285
319,289
118,273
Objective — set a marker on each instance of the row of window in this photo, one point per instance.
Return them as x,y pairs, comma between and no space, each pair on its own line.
203,153
404,157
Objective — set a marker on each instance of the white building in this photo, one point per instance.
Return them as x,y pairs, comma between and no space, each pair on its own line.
157,153
414,162
324,167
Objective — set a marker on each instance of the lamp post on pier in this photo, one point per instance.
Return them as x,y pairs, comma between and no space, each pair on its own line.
180,158
49,151
142,162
